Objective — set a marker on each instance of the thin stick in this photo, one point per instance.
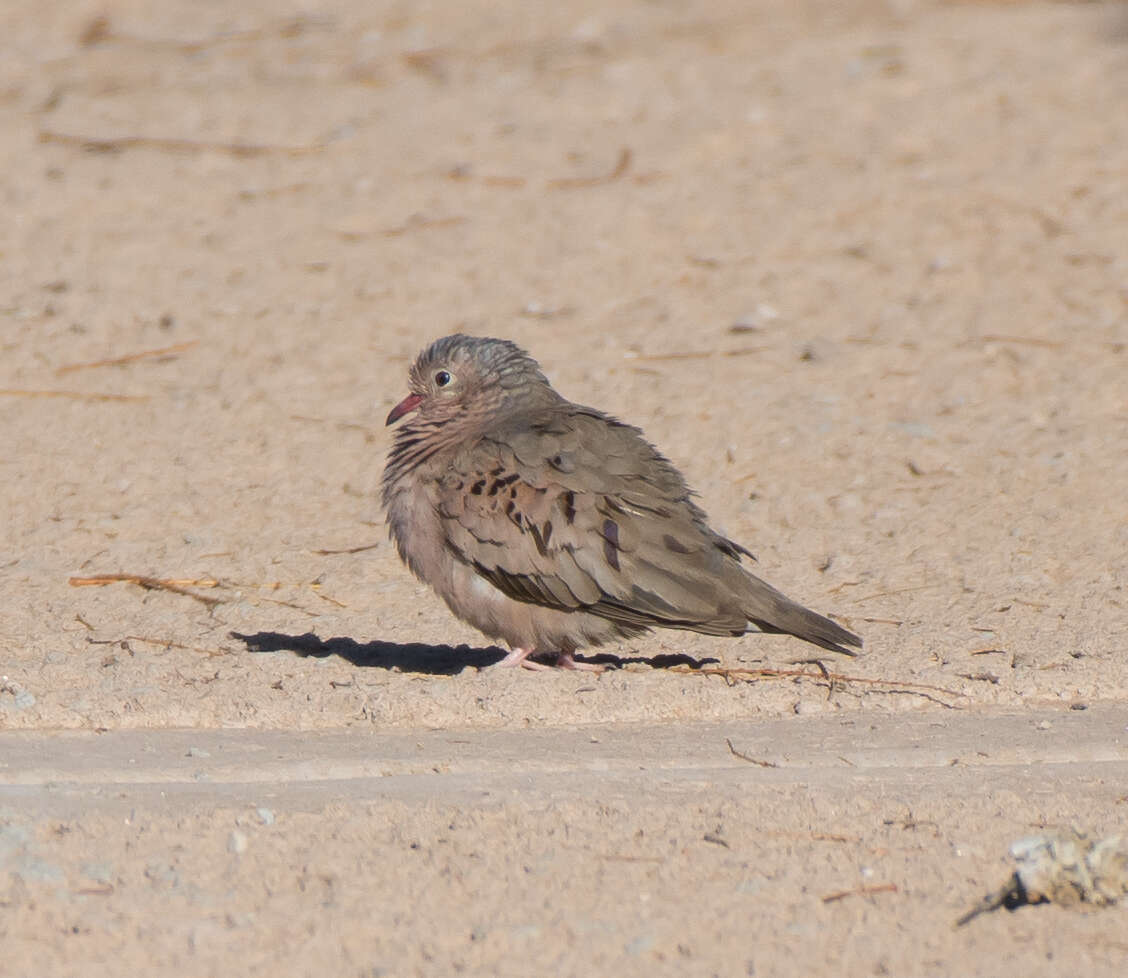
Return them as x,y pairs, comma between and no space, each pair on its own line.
348,550
208,582
899,590
500,181
745,757
980,677
1039,605
416,222
325,597
823,671
128,358
890,685
151,584
861,891
812,836
115,144
1028,340
101,31
72,395
290,604
695,354
618,857
572,183
170,644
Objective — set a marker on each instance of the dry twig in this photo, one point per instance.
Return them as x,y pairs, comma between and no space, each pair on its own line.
347,550
167,643
745,757
733,676
1027,340
116,144
128,358
152,584
325,597
72,395
861,891
694,354
571,183
100,30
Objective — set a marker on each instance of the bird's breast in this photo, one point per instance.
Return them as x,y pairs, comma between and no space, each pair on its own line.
417,530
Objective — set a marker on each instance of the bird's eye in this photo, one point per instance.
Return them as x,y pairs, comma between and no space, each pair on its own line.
442,378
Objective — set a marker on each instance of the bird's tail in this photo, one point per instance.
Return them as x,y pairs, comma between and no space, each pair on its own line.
778,614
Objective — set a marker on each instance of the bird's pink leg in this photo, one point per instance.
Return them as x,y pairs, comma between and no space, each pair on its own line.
520,657
564,660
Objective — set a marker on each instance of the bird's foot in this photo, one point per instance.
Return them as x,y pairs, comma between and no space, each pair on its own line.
562,660
519,657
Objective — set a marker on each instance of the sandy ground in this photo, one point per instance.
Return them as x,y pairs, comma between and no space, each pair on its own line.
860,269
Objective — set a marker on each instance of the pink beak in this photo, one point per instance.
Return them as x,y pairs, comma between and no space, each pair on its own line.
406,406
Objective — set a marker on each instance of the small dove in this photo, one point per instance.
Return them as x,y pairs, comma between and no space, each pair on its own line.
555,527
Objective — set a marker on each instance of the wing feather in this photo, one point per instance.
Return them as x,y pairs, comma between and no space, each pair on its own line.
566,508
581,512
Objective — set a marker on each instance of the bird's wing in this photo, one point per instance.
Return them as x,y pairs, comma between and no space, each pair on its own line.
575,510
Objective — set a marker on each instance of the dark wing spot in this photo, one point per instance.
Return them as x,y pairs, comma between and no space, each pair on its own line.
539,540
478,486
500,483
569,499
611,543
547,531
516,517
675,545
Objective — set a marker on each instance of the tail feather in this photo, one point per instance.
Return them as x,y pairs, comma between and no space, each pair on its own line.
833,642
789,618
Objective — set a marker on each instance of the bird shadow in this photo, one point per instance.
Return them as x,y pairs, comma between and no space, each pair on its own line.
430,660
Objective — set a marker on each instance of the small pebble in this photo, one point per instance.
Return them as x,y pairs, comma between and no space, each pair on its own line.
641,944
21,697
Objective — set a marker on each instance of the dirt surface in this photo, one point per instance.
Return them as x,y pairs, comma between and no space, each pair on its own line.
859,269
812,845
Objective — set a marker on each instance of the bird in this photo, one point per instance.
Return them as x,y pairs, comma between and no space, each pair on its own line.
555,527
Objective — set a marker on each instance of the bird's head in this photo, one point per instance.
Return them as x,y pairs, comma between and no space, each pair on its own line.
463,375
